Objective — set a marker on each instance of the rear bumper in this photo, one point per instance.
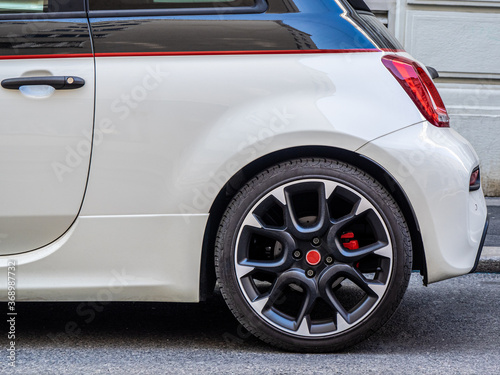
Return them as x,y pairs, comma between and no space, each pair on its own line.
481,245
433,167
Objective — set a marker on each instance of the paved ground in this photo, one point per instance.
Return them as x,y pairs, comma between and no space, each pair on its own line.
452,327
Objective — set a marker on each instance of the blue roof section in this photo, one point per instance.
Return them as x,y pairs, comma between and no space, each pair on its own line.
329,31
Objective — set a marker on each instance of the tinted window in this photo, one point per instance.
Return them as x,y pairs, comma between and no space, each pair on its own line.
39,6
23,6
166,4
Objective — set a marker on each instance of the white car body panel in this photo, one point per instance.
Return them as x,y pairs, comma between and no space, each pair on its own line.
433,167
115,258
44,153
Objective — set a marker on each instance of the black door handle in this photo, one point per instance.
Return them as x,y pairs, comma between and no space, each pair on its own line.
57,82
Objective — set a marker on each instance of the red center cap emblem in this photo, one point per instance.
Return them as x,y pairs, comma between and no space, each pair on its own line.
313,257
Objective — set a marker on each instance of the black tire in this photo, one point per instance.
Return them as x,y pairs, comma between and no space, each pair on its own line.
327,211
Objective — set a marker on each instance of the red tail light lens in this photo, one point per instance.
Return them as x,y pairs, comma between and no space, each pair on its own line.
419,86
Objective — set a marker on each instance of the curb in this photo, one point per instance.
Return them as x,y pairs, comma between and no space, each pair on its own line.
490,257
492,201
490,260
488,266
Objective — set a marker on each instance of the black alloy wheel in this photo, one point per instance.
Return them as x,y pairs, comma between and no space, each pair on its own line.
313,255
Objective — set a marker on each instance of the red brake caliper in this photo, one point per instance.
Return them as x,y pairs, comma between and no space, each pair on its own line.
349,242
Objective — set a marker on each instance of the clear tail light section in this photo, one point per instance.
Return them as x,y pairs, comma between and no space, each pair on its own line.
420,88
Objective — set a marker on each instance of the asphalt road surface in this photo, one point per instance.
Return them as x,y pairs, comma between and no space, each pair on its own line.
452,327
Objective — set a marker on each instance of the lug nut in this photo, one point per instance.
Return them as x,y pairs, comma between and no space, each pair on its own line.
316,241
329,260
310,273
297,254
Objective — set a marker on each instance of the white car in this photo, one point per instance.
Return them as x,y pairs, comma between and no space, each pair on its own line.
290,149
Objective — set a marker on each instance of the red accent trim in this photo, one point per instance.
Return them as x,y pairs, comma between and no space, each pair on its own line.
210,53
55,56
313,257
187,53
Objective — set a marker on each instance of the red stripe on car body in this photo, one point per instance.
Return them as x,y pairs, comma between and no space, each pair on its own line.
54,56
187,53
210,53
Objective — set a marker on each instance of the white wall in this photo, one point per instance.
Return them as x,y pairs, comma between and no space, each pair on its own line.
461,39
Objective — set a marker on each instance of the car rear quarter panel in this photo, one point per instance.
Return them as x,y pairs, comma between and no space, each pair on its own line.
171,135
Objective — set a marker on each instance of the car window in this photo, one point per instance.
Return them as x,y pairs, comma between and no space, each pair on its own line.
165,4
23,6
9,8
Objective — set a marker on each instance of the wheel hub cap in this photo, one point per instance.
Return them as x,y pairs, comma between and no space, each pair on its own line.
313,257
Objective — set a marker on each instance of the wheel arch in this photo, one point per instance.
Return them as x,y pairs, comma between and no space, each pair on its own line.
229,190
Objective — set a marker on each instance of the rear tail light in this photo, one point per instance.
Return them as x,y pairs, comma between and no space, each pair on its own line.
475,180
419,86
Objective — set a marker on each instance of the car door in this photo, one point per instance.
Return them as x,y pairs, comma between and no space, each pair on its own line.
46,121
